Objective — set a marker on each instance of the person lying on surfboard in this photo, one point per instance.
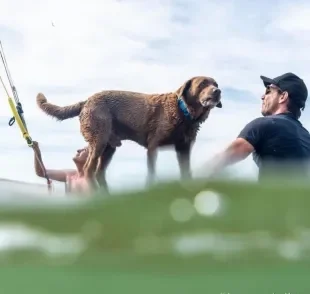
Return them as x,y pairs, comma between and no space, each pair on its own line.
74,180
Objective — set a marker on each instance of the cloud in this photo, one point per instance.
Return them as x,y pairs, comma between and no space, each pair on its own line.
69,50
293,19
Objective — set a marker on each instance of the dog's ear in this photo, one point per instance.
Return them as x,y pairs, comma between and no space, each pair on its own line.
219,105
183,89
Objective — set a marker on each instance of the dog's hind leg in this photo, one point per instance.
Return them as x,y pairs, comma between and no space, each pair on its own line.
95,151
96,129
103,163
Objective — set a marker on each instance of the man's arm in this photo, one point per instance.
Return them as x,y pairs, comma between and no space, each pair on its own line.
237,151
56,175
248,140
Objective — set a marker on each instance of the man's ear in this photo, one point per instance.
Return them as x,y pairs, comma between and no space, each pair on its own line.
183,89
285,96
219,105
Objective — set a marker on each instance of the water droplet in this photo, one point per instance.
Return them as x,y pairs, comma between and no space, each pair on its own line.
207,203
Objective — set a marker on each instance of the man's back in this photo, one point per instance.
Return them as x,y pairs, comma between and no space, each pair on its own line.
280,141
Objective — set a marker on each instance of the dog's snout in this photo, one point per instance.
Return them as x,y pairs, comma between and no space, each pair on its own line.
216,91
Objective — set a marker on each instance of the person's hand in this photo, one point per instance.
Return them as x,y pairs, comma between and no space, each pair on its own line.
207,171
35,145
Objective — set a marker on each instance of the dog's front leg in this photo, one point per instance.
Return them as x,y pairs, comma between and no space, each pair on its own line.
183,156
151,161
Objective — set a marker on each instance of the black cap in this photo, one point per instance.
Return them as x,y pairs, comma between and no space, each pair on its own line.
291,83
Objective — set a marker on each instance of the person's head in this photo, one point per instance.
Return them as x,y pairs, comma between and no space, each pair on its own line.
80,157
285,93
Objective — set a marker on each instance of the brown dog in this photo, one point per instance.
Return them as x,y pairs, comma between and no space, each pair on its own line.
151,120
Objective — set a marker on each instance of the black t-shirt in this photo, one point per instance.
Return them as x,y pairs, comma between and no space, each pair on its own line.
279,141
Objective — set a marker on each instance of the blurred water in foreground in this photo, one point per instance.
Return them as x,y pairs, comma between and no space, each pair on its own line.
216,237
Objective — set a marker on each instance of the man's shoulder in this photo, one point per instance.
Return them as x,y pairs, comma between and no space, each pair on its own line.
279,123
270,120
256,131
261,121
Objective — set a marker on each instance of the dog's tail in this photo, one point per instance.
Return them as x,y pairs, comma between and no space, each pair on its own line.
59,112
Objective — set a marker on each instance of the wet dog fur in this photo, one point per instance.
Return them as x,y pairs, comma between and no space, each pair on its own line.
151,120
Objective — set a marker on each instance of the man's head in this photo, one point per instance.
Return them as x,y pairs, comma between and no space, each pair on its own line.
285,93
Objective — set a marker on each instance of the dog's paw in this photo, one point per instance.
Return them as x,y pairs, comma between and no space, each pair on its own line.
41,99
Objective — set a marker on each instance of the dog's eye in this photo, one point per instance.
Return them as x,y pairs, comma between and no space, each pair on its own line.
204,84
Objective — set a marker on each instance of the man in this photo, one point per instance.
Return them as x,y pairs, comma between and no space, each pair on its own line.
73,178
278,141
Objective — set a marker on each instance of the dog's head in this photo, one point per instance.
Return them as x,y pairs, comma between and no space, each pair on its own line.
201,94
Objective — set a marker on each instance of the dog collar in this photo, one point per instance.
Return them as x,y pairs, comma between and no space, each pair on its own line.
183,107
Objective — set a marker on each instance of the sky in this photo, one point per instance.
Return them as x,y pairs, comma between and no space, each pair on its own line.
71,49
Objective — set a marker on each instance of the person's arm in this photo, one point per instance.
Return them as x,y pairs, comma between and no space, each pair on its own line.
56,175
237,151
248,140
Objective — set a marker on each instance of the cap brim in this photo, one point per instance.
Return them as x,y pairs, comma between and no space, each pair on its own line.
267,81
